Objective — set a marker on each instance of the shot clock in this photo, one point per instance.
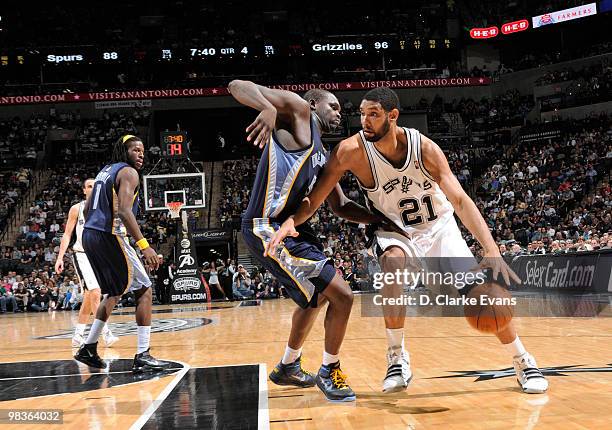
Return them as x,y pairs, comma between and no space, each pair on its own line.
174,144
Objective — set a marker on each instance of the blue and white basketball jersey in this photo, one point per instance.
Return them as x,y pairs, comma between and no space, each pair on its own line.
285,177
104,205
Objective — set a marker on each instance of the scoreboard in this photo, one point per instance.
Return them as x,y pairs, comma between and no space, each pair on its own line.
210,53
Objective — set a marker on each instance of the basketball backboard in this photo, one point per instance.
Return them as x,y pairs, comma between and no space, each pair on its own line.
188,188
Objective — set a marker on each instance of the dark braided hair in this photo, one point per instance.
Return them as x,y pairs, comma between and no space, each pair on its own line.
120,148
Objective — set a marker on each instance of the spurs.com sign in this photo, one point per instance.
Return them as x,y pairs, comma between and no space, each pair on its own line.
187,286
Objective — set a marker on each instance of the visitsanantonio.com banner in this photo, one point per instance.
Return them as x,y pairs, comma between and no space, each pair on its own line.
222,91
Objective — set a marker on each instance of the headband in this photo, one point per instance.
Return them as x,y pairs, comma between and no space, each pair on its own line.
127,137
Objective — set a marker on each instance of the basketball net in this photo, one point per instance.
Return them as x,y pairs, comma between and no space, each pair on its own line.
174,208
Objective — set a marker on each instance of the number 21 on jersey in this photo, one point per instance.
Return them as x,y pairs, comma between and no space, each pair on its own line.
411,213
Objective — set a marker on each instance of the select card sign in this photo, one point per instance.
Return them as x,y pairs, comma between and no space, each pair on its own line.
583,271
187,285
564,15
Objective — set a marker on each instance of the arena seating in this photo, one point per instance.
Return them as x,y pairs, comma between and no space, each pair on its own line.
547,191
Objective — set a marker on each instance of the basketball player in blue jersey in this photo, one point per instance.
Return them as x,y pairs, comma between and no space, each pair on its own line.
289,128
91,289
110,214
406,178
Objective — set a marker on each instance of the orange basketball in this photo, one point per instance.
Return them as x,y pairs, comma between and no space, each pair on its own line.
490,308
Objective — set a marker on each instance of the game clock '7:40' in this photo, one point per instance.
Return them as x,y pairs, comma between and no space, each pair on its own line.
211,52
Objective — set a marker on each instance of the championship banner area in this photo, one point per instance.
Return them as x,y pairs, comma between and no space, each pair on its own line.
187,285
222,91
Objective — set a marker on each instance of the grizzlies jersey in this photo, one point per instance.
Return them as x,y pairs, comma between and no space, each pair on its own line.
78,244
104,204
285,177
408,196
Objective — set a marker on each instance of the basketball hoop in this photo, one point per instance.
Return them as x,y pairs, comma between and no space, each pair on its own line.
174,208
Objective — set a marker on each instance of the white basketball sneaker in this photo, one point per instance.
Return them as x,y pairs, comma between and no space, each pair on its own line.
528,375
109,339
77,340
398,371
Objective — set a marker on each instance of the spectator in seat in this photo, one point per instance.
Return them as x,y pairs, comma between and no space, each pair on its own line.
516,249
555,248
242,284
6,296
538,248
41,300
53,294
76,296
362,277
22,295
64,293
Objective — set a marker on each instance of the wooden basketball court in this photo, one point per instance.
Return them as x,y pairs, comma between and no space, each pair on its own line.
221,356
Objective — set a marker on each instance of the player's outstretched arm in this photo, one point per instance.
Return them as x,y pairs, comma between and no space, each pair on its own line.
348,209
127,181
436,164
339,162
73,216
270,103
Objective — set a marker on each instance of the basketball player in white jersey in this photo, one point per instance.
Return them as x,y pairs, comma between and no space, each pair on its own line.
407,179
91,289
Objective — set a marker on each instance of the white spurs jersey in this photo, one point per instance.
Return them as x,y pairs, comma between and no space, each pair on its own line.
78,244
407,196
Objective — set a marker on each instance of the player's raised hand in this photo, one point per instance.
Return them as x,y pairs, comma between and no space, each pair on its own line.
151,259
286,229
261,129
495,261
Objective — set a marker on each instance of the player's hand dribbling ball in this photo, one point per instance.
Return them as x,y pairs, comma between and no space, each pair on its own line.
487,316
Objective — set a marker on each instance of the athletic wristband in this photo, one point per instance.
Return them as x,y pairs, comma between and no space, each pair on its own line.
142,244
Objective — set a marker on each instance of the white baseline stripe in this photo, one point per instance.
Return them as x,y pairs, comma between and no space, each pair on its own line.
160,398
263,414
78,374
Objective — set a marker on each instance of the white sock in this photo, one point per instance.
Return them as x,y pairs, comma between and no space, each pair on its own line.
80,329
291,355
96,329
395,337
329,358
106,331
516,348
144,335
